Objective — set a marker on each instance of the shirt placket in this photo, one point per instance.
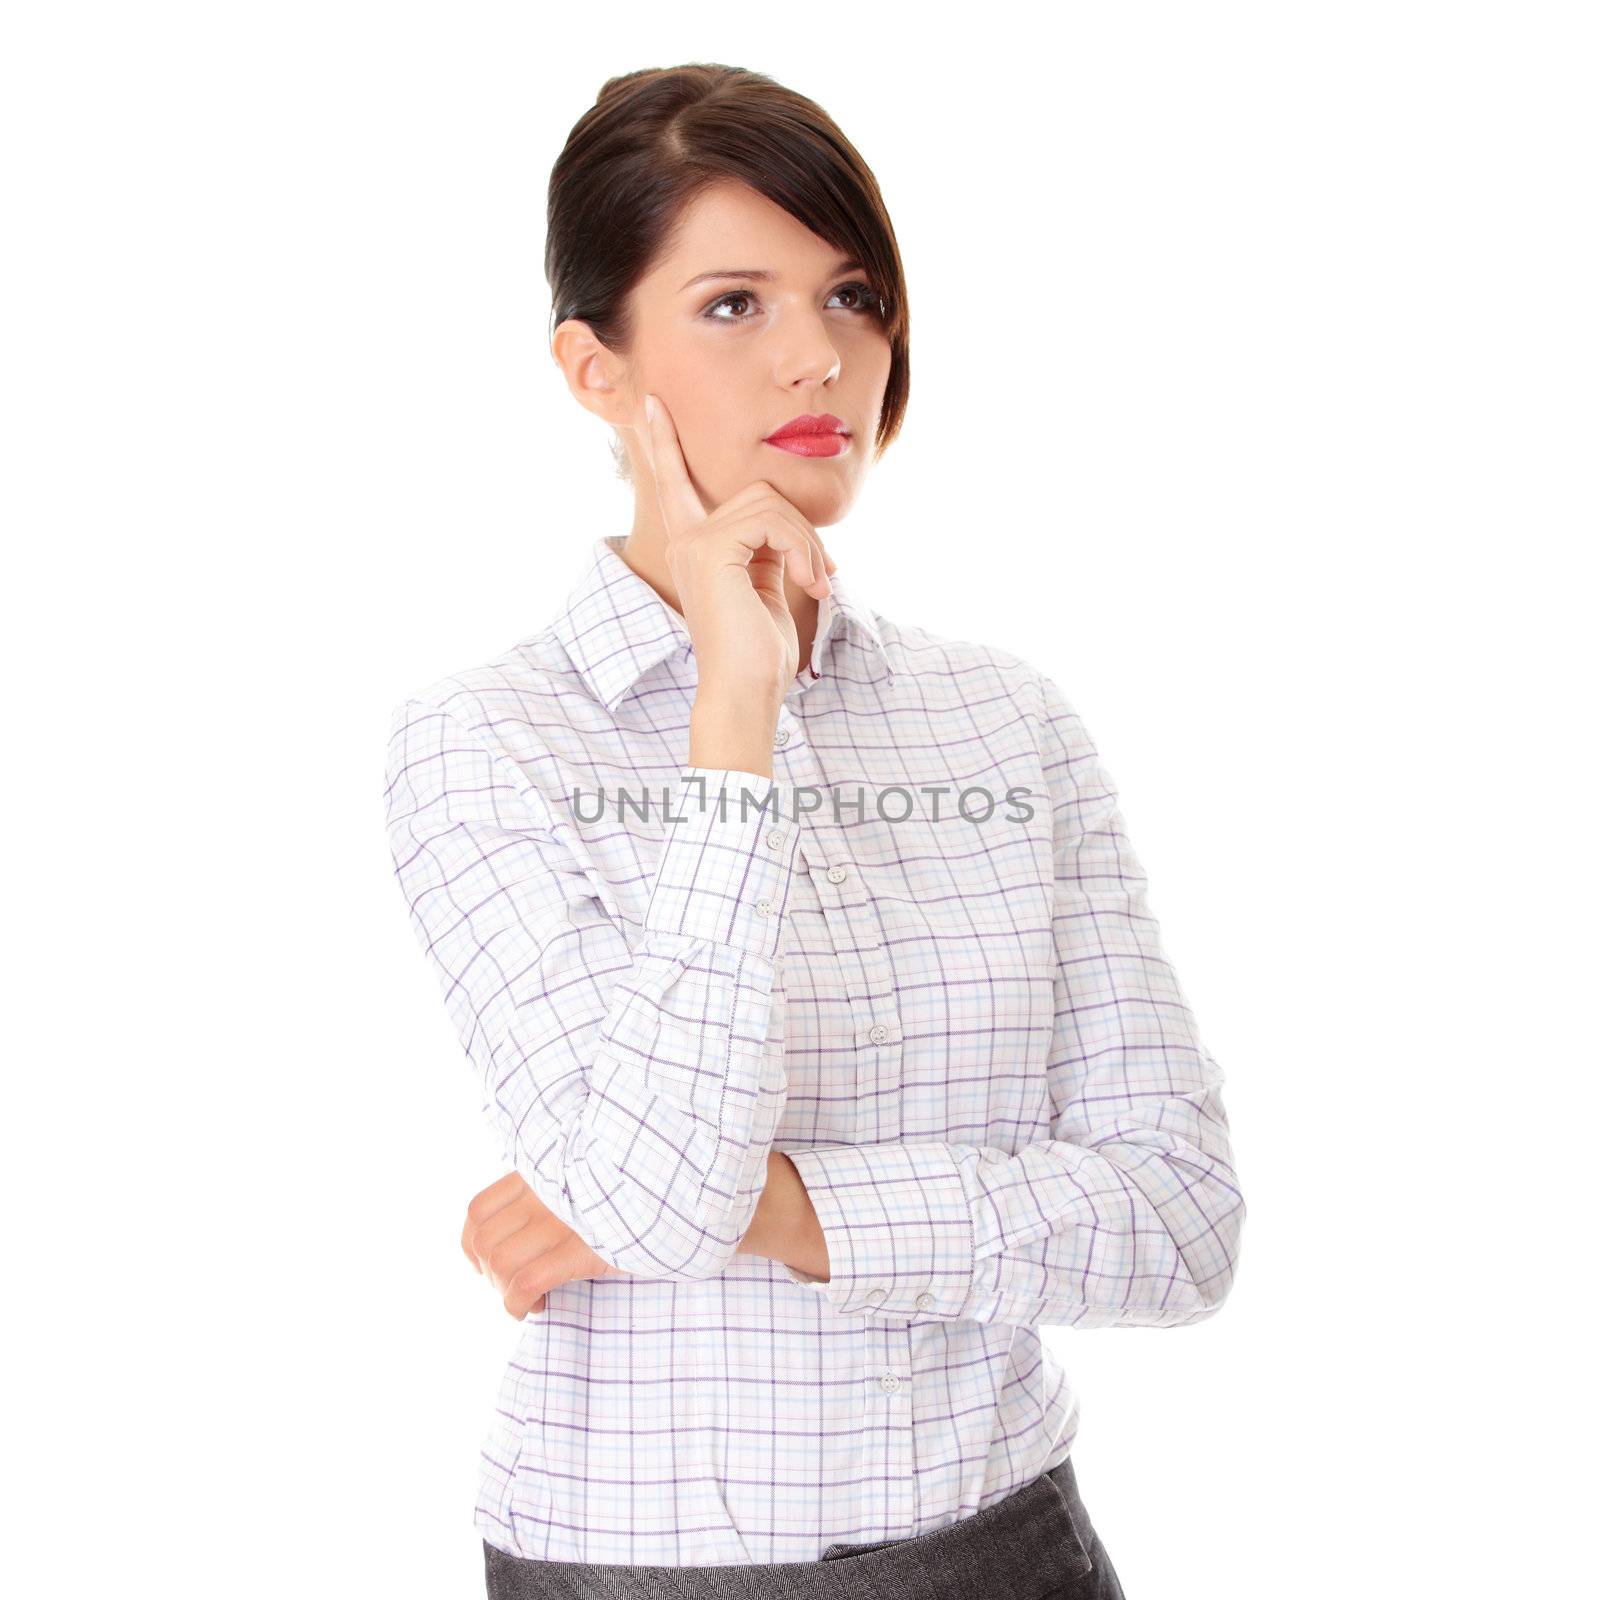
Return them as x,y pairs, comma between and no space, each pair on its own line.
888,1475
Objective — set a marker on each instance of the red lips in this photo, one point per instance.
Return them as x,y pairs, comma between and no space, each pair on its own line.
808,426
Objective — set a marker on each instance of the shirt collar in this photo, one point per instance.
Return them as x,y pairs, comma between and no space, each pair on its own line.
615,627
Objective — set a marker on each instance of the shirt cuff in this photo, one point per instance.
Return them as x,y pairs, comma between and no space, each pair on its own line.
727,862
897,1224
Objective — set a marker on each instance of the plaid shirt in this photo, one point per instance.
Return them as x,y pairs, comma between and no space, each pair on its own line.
918,959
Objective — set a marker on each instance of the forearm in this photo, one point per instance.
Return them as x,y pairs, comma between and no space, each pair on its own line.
634,1075
785,1228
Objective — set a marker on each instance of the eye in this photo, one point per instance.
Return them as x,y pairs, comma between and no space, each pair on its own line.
868,302
868,298
722,300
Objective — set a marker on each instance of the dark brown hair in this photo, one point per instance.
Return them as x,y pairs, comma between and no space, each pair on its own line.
653,140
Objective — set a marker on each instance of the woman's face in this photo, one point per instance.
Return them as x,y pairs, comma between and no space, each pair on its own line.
747,321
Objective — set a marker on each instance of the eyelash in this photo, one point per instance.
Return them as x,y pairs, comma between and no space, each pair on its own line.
872,301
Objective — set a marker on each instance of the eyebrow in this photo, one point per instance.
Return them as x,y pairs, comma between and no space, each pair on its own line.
759,273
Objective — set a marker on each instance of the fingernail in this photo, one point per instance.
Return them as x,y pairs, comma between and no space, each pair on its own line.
650,407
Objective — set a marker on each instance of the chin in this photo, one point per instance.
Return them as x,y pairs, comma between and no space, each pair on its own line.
820,504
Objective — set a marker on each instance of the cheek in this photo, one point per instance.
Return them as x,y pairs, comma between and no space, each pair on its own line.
728,461
882,362
707,394
722,431
722,447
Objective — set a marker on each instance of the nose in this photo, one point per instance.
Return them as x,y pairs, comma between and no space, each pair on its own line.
807,353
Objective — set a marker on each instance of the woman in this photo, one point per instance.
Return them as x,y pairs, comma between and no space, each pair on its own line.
801,952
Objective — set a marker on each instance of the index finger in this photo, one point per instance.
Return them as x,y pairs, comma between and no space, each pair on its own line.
681,506
499,1193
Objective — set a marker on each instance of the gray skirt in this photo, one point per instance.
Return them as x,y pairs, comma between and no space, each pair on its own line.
1036,1544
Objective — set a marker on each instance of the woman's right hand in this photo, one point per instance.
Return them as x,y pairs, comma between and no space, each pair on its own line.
729,565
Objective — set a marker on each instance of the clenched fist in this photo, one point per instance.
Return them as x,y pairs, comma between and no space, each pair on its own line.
523,1248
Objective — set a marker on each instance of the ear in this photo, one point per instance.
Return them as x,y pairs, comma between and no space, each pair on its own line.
594,374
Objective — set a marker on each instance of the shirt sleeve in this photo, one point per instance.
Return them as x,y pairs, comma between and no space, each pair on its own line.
637,1090
1130,1214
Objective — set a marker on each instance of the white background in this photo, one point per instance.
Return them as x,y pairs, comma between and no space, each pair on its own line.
1254,399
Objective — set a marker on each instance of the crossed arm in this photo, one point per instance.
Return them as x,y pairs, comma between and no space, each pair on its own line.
639,1086
524,1250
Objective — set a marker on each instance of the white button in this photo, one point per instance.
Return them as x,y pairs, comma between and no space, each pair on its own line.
879,1033
876,1297
924,1301
781,737
775,839
837,874
764,908
888,1383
